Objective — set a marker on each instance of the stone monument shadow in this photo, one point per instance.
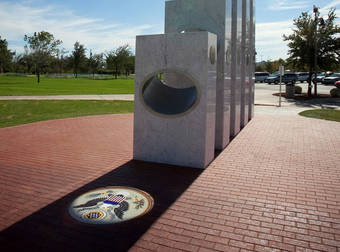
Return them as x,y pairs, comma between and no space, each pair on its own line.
52,229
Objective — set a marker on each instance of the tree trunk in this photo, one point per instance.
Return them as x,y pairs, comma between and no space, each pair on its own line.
315,86
310,83
38,74
116,72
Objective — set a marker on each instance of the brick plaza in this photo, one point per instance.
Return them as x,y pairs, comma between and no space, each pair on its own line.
276,187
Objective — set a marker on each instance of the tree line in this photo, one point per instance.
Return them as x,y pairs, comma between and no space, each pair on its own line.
313,46
43,53
272,66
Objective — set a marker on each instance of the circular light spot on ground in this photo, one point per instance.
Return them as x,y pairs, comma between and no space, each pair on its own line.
110,205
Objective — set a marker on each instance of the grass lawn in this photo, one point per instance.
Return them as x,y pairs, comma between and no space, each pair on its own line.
326,114
13,85
21,112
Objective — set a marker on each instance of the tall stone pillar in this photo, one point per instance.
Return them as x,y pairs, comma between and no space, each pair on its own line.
214,16
175,99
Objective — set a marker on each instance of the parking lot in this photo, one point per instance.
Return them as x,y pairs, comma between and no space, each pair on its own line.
264,92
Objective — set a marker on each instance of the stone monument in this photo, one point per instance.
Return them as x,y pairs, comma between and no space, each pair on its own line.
213,16
193,86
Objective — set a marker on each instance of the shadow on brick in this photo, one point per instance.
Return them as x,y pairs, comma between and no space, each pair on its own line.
52,229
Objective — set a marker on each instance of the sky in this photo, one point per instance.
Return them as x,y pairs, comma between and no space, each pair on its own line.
103,25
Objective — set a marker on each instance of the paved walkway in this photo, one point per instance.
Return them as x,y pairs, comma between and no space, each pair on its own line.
275,188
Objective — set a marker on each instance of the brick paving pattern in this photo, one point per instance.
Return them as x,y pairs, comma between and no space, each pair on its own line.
275,188
41,162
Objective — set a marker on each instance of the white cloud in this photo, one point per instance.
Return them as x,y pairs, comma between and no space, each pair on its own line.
334,4
18,19
280,5
269,40
265,31
329,6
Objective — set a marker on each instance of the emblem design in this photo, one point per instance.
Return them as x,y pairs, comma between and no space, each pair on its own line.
139,203
110,205
94,215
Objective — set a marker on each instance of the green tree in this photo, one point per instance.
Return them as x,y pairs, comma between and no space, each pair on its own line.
60,60
110,59
43,46
118,59
27,61
269,66
95,62
130,66
78,56
314,40
5,55
259,68
16,62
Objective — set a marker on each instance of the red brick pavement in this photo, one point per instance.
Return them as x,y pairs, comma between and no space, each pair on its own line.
52,158
275,188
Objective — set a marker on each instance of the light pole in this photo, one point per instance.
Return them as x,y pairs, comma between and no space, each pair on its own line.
316,13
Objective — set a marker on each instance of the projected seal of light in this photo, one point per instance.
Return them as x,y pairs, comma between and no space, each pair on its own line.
110,205
170,93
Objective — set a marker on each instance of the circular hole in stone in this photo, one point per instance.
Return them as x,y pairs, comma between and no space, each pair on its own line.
110,205
170,93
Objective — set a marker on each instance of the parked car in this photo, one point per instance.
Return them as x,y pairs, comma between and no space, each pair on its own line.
303,76
261,76
319,77
337,84
330,80
290,78
273,79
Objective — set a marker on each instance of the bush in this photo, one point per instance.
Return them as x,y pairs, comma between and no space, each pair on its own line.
335,92
298,90
337,84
